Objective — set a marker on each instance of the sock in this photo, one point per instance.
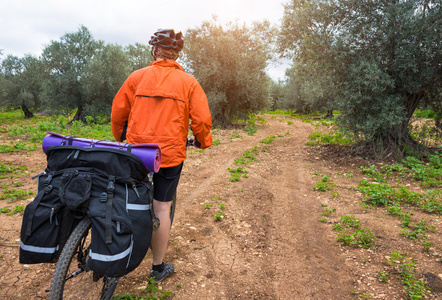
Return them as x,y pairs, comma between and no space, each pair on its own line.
158,268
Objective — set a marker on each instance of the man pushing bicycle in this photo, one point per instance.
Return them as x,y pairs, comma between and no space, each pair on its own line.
154,106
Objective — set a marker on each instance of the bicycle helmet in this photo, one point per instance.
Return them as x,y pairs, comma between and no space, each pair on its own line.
167,39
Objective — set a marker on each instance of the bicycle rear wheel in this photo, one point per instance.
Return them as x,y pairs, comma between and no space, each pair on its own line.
72,278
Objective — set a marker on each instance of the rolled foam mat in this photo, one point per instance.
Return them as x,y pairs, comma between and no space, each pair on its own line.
149,154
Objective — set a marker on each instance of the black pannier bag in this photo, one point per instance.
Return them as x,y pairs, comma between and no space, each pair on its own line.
111,187
40,241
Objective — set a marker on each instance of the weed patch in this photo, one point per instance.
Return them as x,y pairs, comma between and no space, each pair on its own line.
406,267
15,194
268,140
16,210
247,157
361,238
237,173
323,184
332,138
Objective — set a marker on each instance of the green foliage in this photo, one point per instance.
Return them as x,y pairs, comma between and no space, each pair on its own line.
429,175
380,193
384,195
383,276
229,62
21,83
68,61
347,222
18,209
6,169
425,114
9,116
376,62
406,267
138,55
74,73
268,140
16,147
236,173
247,157
36,131
251,129
15,194
350,221
323,184
329,212
219,216
102,77
332,138
153,293
364,238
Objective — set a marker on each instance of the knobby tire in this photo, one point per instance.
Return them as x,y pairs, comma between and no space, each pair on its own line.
86,284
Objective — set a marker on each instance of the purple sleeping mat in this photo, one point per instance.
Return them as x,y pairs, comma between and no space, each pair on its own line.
149,154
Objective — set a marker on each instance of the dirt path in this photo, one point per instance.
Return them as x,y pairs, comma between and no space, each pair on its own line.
268,243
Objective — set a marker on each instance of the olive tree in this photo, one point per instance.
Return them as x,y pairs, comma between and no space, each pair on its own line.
382,57
67,61
21,83
139,56
229,62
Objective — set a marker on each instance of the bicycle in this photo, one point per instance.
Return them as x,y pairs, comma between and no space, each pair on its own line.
72,278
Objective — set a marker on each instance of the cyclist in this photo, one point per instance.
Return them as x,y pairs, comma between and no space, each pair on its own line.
154,106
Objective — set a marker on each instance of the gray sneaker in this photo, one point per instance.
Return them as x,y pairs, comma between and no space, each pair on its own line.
159,276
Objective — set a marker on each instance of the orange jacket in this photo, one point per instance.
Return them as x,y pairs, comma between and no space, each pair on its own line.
157,102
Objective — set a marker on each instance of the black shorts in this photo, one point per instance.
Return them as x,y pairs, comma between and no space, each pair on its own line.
165,183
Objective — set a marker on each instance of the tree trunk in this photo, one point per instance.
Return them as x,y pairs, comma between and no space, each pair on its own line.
26,111
78,115
329,114
220,120
398,137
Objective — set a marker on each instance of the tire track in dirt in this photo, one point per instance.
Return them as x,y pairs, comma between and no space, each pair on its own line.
271,244
225,257
305,268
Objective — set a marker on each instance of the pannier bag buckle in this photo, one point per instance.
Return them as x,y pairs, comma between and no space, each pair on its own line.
103,197
110,187
48,188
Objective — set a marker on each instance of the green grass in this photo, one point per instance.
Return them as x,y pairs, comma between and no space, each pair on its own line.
332,138
425,114
17,147
34,130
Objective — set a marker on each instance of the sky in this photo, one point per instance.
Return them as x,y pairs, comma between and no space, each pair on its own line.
27,26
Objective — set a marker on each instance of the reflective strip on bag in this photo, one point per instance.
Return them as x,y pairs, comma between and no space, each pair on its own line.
48,250
107,258
137,206
130,206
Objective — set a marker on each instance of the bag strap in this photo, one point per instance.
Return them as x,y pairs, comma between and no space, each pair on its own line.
47,189
110,195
